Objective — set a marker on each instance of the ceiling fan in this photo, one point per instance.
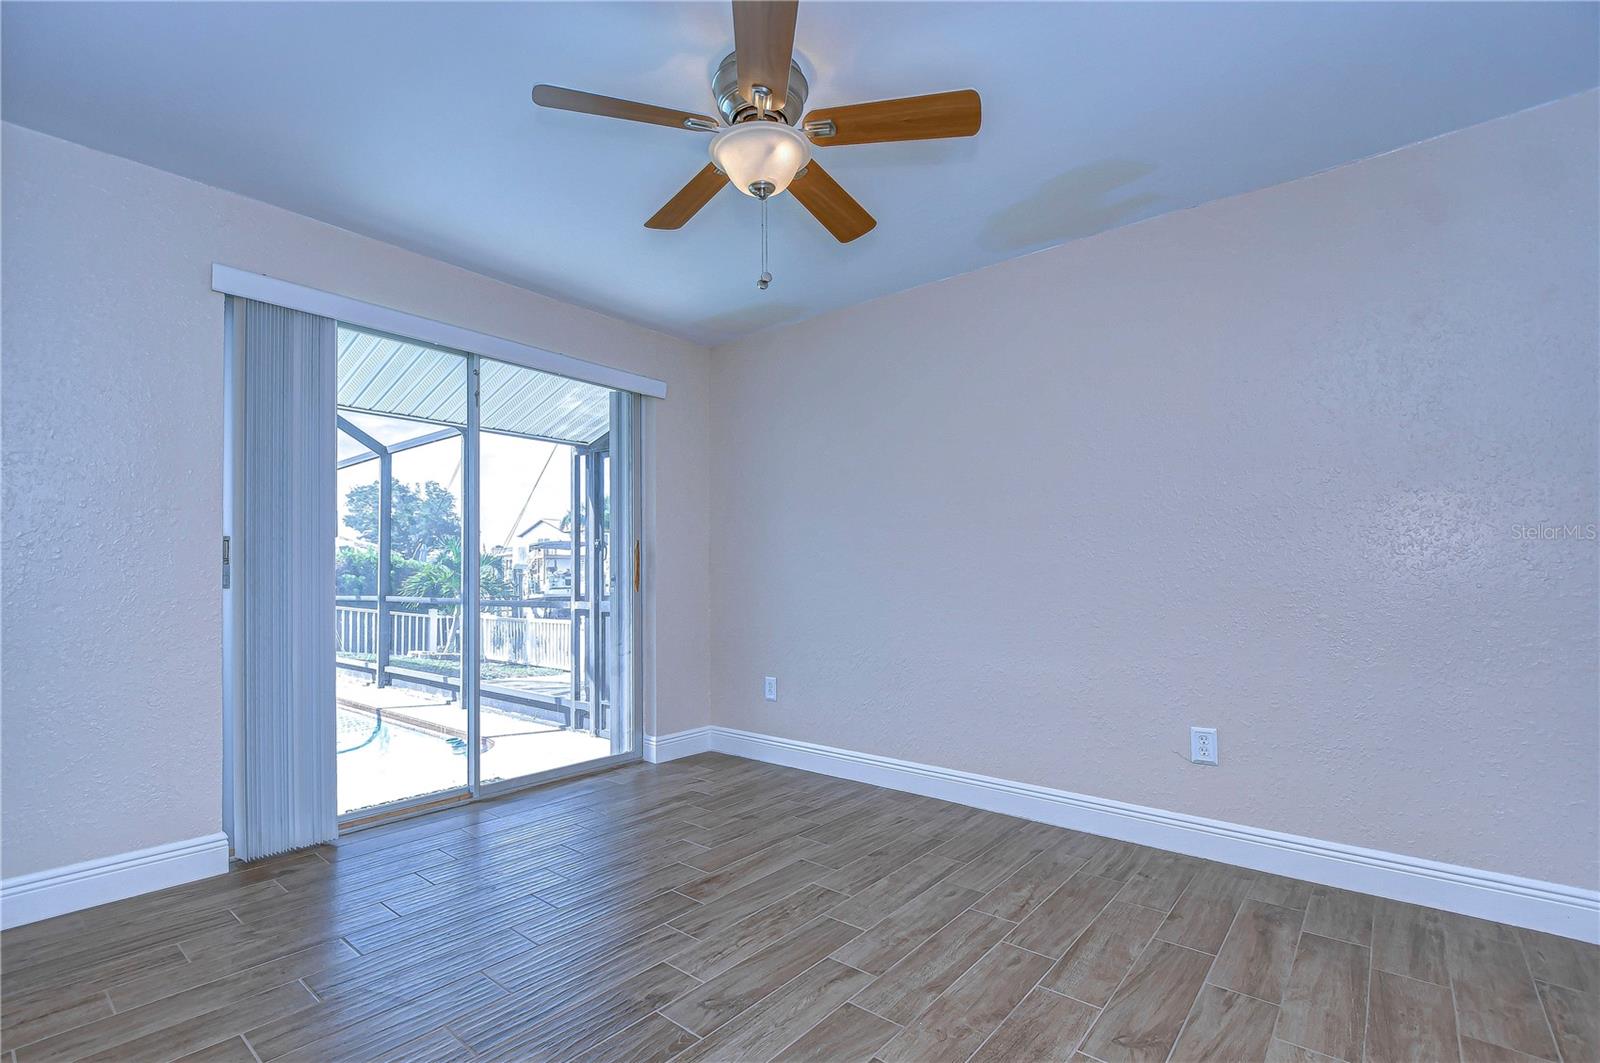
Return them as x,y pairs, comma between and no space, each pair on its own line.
757,147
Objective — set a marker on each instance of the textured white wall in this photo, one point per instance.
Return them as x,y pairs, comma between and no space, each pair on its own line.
1258,465
112,457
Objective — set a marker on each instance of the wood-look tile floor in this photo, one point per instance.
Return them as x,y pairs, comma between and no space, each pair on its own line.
721,909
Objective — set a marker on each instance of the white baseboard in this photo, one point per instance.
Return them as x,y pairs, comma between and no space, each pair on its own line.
1565,910
1548,906
662,748
29,898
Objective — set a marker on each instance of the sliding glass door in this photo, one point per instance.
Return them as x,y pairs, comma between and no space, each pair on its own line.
480,504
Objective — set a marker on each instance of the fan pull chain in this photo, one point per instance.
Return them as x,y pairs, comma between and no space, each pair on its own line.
766,277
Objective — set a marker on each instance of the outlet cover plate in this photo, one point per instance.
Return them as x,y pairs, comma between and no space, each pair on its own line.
769,688
1203,745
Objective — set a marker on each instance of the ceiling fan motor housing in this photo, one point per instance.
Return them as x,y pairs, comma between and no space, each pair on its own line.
736,108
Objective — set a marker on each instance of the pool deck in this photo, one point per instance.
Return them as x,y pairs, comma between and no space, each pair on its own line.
515,745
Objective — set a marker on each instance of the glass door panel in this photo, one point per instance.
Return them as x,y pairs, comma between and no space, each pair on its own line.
535,696
402,730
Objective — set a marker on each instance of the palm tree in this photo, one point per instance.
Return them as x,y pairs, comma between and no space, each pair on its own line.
440,575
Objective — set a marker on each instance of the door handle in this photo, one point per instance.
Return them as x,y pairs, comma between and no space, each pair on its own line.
636,566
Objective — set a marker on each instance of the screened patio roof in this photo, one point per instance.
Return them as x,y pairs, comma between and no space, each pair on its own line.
427,388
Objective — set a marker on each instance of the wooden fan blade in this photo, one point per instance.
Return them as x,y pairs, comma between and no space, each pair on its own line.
763,40
607,107
690,198
835,208
943,114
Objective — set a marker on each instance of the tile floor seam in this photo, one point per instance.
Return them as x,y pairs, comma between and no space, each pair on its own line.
697,981
1059,993
1366,1018
739,1014
1187,1015
1544,1009
853,1002
1240,993
1037,984
676,1023
1111,998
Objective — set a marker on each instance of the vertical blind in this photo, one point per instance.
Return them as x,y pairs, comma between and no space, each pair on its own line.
284,776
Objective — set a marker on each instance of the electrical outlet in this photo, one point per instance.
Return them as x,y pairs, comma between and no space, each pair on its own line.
1203,745
769,689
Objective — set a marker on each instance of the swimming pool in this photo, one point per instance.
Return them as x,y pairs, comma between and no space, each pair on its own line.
385,761
388,759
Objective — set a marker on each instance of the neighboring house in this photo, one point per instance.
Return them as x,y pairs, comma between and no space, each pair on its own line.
546,550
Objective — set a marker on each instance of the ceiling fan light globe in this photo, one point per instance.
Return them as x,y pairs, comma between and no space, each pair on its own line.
751,153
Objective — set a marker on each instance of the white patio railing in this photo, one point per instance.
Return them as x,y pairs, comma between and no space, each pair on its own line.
505,639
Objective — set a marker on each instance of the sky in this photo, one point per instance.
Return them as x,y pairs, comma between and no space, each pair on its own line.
511,479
